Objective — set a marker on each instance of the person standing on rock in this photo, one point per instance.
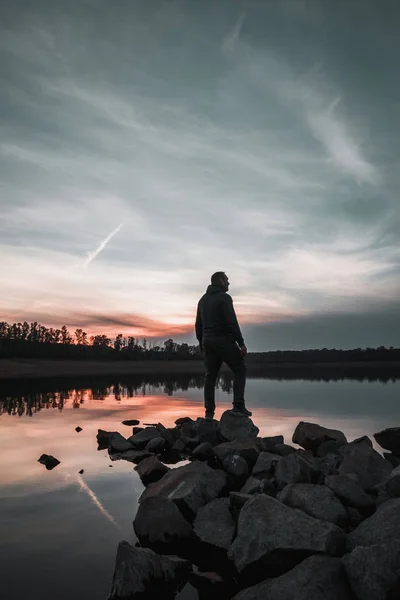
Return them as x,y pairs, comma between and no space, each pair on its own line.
220,340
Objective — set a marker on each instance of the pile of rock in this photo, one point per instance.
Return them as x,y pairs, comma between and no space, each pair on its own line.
250,517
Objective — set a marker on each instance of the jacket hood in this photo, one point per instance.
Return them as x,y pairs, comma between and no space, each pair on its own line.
215,289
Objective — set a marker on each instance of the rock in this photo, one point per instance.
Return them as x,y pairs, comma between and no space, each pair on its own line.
233,426
295,469
130,422
329,447
355,516
381,527
267,444
117,443
284,449
180,445
391,485
349,491
150,424
265,465
159,525
329,465
170,435
247,449
214,524
210,586
367,464
136,430
311,435
151,470
236,468
140,573
203,451
207,431
171,457
190,442
361,443
133,456
81,472
259,486
374,571
182,420
140,440
103,438
389,439
78,429
48,461
316,578
190,487
276,537
156,445
392,458
238,499
316,500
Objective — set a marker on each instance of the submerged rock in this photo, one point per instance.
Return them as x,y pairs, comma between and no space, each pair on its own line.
349,491
130,422
316,500
78,429
234,426
141,574
190,487
389,439
214,524
381,527
374,571
48,461
316,578
151,470
276,537
311,435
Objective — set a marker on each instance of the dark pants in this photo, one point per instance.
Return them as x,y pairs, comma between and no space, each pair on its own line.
219,349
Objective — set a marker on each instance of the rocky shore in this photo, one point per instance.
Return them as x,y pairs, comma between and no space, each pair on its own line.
253,518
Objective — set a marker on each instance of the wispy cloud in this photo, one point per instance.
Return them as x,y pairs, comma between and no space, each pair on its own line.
84,486
232,38
92,255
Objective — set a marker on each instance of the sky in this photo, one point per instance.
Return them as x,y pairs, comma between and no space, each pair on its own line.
145,145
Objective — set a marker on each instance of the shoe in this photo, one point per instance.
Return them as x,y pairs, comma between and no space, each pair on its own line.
209,416
242,410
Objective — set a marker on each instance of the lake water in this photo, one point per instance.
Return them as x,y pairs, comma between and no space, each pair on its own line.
59,530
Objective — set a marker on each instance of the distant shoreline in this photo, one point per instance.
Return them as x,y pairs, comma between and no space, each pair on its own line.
45,368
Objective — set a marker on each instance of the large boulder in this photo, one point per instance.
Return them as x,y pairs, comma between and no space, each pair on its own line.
234,426
265,465
276,537
295,468
316,500
383,526
349,491
316,578
284,449
151,470
367,464
390,485
214,524
203,451
259,486
190,487
247,449
374,571
267,444
103,438
140,574
361,443
159,525
170,434
237,469
389,439
392,458
201,430
140,440
117,443
156,445
311,435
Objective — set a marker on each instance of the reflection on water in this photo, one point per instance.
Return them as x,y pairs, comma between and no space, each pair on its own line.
57,523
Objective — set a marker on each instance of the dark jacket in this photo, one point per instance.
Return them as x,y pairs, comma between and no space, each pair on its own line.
216,315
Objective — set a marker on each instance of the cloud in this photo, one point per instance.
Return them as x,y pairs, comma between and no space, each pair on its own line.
231,39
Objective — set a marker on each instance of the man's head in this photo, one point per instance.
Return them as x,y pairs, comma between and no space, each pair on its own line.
220,278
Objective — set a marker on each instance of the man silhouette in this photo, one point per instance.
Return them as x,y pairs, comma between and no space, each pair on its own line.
221,340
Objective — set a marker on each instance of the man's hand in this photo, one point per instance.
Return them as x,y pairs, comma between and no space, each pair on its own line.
243,350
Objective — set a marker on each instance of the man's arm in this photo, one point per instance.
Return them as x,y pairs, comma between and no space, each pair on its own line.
199,327
231,319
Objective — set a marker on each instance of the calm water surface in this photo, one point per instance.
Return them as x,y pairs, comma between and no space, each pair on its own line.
59,530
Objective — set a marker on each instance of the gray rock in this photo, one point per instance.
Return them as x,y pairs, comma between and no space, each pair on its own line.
392,458
349,491
381,527
391,485
140,440
170,434
182,420
151,470
130,422
355,516
368,465
247,449
316,578
190,487
259,486
389,439
203,451
117,443
238,499
361,443
284,449
295,468
160,525
276,537
374,571
311,435
48,461
316,500
265,465
137,430
210,585
140,573
267,444
236,468
233,426
133,456
103,438
156,445
207,431
214,524
329,447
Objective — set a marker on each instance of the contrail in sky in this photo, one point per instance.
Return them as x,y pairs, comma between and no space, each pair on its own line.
92,495
92,255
